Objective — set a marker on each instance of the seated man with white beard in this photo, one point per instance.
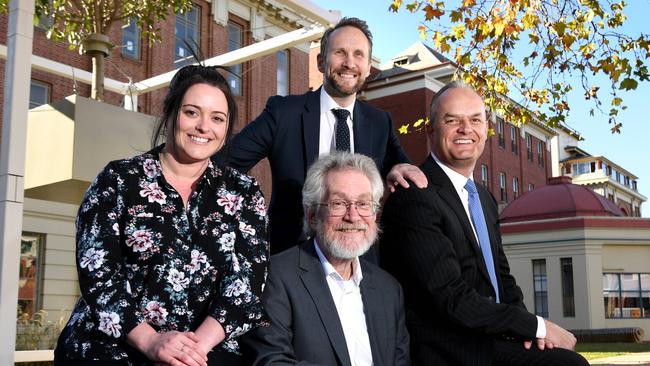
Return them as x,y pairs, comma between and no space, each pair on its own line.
325,305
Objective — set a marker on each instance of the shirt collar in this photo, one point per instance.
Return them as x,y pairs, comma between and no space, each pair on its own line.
457,180
329,270
327,103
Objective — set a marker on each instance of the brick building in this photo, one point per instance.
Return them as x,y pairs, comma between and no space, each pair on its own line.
245,23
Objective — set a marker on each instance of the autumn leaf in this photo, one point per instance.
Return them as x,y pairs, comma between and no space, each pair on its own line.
431,12
629,84
419,122
423,32
394,7
528,45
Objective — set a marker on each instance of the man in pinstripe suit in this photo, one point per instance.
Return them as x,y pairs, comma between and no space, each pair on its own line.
443,244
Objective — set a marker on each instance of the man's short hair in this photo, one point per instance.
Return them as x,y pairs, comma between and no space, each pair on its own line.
435,101
347,22
314,190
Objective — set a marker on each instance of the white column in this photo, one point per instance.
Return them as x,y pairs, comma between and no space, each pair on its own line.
12,165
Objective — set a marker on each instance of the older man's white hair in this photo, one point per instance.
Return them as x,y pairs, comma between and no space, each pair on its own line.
313,191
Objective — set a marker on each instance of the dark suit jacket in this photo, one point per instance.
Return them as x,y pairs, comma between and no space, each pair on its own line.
287,134
429,246
304,325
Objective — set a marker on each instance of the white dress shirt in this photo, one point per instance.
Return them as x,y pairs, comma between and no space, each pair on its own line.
326,139
458,181
349,305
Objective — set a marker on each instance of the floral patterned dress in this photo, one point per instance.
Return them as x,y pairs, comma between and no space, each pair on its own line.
141,257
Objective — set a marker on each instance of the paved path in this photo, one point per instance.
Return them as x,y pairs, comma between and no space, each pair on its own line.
640,358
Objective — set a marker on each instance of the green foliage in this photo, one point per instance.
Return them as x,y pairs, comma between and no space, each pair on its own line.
534,48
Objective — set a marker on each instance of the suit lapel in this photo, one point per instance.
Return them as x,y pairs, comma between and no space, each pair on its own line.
311,127
314,280
448,193
375,316
362,129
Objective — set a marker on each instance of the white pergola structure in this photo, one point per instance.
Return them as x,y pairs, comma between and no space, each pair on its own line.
14,132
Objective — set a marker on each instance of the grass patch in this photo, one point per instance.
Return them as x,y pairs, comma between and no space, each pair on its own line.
592,351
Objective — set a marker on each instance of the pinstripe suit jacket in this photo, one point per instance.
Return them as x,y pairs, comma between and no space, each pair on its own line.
429,246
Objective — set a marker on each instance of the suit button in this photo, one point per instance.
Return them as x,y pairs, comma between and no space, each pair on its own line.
491,298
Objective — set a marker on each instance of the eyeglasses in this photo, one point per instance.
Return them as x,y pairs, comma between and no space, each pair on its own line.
340,207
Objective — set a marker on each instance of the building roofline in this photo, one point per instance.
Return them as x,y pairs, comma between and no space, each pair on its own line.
603,159
574,223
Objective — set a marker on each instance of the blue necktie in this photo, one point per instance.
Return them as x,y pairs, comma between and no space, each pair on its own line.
342,130
476,211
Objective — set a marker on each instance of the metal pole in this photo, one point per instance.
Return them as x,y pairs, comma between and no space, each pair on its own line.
12,165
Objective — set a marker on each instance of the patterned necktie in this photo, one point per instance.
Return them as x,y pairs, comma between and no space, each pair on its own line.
342,131
476,212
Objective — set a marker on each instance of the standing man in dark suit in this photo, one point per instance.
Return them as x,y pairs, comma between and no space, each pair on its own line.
325,305
443,244
293,131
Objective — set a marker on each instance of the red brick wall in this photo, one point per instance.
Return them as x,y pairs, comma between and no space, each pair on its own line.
406,108
315,76
502,159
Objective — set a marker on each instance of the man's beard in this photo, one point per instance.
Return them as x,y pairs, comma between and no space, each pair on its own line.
336,249
336,89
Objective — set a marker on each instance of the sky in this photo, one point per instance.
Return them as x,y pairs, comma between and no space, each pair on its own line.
394,32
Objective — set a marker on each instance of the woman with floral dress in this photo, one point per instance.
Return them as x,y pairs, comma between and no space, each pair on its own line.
172,249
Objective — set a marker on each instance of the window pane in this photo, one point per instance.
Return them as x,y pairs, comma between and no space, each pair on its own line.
629,282
29,275
612,304
631,305
235,41
186,33
610,282
645,281
540,287
568,301
131,40
39,94
283,73
645,303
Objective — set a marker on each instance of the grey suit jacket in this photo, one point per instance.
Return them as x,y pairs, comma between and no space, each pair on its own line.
304,325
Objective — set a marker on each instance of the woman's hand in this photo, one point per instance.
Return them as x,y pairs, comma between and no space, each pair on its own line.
209,334
171,348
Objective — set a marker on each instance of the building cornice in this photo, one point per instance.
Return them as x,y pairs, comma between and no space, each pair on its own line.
576,223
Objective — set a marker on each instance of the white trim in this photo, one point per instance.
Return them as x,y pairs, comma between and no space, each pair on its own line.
397,85
34,356
257,25
220,12
243,54
241,10
308,9
67,71
20,32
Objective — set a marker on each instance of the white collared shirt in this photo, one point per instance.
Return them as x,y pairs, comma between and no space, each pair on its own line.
326,138
458,181
349,305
